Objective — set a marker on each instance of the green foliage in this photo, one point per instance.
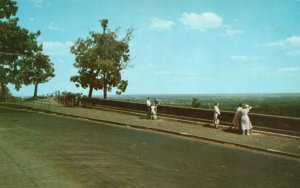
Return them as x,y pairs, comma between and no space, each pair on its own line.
100,60
70,99
104,23
35,70
196,103
16,43
8,8
5,95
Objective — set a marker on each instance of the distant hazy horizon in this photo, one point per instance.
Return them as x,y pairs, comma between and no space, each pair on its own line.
170,94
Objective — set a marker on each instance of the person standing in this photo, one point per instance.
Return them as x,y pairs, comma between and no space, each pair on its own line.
80,100
153,111
217,112
236,122
245,120
148,104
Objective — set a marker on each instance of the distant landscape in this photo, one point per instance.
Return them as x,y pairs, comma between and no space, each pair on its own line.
279,104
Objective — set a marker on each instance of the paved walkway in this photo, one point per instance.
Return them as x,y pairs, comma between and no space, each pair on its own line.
281,145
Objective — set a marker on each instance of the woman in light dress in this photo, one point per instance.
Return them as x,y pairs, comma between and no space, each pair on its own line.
236,122
217,112
153,111
245,120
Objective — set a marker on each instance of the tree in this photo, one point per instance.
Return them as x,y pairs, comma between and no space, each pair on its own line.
87,73
104,23
35,70
5,94
196,102
15,44
100,60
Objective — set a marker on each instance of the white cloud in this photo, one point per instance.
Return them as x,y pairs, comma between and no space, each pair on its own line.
162,73
38,3
294,52
150,65
177,74
52,26
288,70
202,21
232,32
246,58
240,58
57,47
290,42
255,58
269,71
159,24
261,70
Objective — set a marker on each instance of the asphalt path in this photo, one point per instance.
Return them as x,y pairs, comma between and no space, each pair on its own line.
40,150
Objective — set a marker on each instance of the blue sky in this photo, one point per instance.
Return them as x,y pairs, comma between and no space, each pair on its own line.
179,47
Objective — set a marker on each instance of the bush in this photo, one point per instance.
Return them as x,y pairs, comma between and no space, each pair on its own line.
5,95
196,103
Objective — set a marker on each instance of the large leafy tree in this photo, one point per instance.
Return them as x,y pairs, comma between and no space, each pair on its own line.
100,60
35,70
15,44
87,71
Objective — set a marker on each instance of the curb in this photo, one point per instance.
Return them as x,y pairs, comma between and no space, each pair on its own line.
271,151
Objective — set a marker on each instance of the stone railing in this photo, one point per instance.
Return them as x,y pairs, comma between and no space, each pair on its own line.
258,120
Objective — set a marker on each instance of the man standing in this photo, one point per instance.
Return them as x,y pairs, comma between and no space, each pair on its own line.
217,112
148,104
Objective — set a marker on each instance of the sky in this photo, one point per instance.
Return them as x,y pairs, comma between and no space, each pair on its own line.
178,47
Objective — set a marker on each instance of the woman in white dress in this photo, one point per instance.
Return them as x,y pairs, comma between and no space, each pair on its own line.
245,120
153,111
217,112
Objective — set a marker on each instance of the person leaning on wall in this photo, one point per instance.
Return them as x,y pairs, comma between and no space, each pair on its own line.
216,114
246,124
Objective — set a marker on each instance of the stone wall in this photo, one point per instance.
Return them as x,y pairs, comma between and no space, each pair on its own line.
267,121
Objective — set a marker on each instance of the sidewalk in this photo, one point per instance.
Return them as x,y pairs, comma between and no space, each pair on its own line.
281,145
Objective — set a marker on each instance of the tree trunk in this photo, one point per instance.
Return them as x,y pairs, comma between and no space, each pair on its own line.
3,92
104,87
105,91
90,92
35,91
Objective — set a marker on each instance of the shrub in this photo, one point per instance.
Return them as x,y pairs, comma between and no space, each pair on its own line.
196,103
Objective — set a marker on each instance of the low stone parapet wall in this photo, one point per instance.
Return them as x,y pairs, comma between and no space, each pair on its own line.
267,121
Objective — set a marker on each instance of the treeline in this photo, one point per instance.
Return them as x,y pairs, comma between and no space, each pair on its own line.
271,104
280,106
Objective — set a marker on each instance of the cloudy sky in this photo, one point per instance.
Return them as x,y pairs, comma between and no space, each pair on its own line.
179,47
